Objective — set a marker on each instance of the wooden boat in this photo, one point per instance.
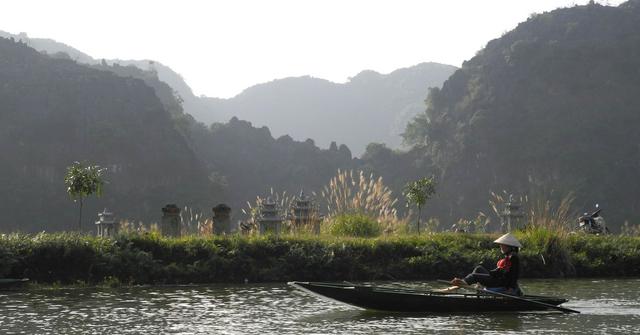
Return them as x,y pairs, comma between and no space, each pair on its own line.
9,283
394,299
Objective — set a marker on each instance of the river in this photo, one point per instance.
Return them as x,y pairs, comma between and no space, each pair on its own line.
607,306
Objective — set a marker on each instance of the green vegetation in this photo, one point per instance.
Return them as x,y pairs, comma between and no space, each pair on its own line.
551,104
83,181
418,192
56,111
355,225
356,192
71,259
359,205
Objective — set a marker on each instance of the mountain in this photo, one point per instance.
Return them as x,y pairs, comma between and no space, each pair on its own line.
50,47
370,107
191,103
55,111
550,107
251,162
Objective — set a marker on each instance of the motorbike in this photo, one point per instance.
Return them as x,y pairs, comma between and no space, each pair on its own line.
593,223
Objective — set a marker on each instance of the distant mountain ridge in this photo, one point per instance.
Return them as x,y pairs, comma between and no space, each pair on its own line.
370,107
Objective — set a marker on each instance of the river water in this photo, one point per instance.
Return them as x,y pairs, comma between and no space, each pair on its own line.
607,306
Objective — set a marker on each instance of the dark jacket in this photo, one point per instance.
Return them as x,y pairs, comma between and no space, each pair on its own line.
507,270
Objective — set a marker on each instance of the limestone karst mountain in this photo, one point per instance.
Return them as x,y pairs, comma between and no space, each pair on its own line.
369,107
551,106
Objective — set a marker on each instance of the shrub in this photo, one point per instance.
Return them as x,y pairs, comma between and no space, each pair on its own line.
355,225
148,258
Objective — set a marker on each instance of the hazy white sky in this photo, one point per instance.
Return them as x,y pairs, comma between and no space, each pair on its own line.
223,47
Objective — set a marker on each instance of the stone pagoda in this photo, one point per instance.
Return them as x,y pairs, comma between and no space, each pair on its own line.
305,213
106,224
269,220
512,215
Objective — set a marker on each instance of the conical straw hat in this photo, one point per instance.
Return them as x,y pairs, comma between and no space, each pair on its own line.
508,239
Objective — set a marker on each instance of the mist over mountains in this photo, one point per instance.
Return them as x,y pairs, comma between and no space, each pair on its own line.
370,107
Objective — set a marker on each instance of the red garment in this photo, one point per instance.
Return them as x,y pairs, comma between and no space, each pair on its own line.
505,263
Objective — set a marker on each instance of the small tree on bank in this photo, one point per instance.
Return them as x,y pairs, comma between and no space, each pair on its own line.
83,181
418,192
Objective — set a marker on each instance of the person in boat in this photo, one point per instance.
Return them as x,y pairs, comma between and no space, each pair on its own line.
504,278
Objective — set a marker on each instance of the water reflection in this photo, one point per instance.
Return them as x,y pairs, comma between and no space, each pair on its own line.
608,306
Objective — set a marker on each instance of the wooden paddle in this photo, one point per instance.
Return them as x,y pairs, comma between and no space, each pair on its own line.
566,310
403,288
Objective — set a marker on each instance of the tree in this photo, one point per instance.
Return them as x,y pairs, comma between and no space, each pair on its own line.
418,192
82,181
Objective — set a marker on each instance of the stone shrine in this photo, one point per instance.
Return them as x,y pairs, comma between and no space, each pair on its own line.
304,213
106,224
171,222
222,219
512,215
269,220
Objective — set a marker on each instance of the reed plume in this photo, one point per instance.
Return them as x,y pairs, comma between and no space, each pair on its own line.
352,192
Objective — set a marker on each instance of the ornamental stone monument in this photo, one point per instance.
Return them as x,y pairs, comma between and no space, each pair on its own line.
512,215
269,219
222,219
171,222
305,213
106,224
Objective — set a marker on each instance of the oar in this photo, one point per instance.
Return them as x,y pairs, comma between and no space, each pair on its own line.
404,288
566,310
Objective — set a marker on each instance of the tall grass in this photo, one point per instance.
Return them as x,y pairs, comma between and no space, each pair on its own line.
356,199
479,224
193,222
630,229
540,212
353,192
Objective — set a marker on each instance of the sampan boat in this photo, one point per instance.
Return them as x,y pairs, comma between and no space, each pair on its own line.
394,299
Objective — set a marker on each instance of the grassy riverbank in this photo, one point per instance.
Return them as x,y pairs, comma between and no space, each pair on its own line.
69,259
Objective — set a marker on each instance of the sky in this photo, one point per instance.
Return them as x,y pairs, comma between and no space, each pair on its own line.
222,47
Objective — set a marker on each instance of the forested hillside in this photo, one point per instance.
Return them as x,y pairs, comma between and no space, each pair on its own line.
551,106
546,110
250,161
54,112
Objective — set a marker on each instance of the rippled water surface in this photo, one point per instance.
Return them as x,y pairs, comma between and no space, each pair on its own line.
607,306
